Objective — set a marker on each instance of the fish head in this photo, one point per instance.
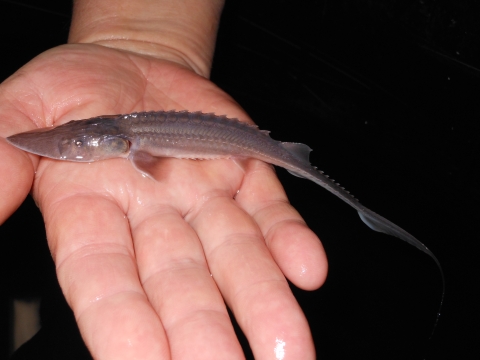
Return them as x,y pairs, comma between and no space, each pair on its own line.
82,140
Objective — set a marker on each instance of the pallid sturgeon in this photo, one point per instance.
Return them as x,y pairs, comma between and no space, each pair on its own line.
189,135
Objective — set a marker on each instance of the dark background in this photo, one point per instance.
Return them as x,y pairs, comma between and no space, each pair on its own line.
386,93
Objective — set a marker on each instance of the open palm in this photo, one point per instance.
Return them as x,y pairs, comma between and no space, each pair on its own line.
148,265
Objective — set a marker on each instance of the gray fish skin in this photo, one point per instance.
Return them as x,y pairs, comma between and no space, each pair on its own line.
192,135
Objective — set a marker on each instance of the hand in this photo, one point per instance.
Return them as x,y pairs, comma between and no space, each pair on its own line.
147,265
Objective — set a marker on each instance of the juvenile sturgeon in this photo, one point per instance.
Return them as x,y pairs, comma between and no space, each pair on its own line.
143,136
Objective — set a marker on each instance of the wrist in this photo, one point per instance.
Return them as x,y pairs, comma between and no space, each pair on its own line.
180,31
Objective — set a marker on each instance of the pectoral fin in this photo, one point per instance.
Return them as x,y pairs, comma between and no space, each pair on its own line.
144,162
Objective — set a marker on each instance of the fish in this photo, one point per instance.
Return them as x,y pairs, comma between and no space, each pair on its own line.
188,135
142,137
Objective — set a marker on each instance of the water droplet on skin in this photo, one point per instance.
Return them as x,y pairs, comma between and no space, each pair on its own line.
98,297
303,270
279,349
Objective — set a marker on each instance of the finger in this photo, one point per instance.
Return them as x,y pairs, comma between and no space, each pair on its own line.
176,278
89,237
16,176
17,168
296,249
251,283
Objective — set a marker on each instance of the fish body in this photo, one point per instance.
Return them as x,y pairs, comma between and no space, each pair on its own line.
193,135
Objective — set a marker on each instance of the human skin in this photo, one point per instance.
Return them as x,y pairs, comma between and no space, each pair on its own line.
147,266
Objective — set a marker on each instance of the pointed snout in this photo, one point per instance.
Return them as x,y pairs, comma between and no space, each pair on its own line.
40,142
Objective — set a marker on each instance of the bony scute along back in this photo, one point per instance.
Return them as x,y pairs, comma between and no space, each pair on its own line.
144,136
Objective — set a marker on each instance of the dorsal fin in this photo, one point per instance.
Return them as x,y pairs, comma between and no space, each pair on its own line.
300,151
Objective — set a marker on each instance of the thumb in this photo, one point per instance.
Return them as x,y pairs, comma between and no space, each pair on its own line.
17,170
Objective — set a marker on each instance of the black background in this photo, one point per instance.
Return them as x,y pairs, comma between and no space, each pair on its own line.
386,93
